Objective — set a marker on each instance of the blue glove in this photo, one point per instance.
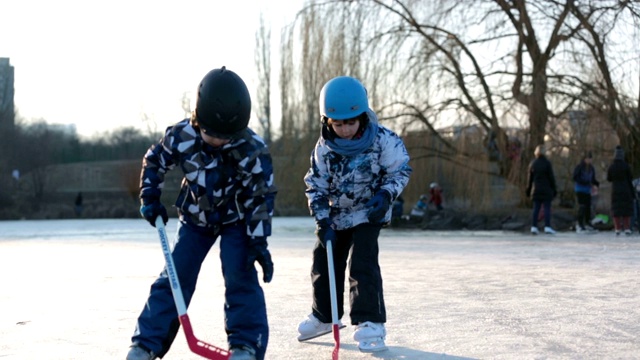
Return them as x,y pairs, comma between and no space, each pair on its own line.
151,209
258,252
378,206
324,232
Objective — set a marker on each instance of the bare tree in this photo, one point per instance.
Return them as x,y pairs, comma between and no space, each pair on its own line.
601,23
323,42
186,106
496,64
263,65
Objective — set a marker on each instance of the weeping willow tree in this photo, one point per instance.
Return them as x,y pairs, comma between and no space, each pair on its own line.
321,43
511,71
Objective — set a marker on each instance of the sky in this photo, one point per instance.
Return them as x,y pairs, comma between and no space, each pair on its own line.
102,65
72,290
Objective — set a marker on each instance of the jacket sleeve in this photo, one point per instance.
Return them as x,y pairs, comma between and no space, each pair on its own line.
394,161
552,180
529,179
576,174
317,181
629,177
157,161
258,191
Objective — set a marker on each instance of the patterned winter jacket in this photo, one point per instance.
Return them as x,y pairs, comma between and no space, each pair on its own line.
338,187
220,185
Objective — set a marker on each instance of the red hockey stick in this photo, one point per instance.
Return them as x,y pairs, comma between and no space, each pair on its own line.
197,346
334,300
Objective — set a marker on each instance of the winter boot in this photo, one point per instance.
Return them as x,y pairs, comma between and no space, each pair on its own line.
311,328
242,352
137,352
370,337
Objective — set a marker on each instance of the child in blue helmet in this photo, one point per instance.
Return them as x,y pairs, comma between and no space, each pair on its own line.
227,193
358,168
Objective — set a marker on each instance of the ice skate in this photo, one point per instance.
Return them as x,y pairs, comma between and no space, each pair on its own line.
138,353
548,230
242,353
586,230
534,230
370,337
311,328
590,229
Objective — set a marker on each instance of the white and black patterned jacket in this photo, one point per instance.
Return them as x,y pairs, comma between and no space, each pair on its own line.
220,185
338,187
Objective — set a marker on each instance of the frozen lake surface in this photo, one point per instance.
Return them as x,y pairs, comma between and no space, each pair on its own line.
72,289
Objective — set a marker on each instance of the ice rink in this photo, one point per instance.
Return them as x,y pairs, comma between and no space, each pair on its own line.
72,289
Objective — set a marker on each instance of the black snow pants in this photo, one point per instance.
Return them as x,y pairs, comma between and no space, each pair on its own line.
365,279
584,209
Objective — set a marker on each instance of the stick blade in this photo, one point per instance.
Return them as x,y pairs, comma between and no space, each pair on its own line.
200,347
336,338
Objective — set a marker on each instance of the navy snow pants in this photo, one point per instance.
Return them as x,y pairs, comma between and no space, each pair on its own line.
365,279
245,309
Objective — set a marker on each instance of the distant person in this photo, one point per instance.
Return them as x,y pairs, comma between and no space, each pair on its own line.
78,205
358,168
636,209
541,188
623,192
397,209
228,193
584,179
435,195
420,208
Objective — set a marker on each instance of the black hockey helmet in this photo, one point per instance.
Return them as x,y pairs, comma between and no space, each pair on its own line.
223,107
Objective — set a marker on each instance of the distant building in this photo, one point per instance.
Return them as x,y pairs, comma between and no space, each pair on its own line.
7,120
7,110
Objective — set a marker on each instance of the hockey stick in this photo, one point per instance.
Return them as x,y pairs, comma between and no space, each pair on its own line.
334,300
197,346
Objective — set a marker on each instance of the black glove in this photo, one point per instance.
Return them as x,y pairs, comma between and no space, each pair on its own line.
151,209
324,232
378,206
258,252
527,192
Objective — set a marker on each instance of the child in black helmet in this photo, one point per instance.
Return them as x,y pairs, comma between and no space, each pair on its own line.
227,193
357,169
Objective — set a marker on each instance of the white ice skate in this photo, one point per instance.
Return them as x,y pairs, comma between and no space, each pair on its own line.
370,337
311,328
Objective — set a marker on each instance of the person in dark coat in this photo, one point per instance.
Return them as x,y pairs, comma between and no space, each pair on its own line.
78,205
622,192
584,179
541,189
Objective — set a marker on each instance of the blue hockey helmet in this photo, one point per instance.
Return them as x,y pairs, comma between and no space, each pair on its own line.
343,98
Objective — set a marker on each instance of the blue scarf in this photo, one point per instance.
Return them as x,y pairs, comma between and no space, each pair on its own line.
350,147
